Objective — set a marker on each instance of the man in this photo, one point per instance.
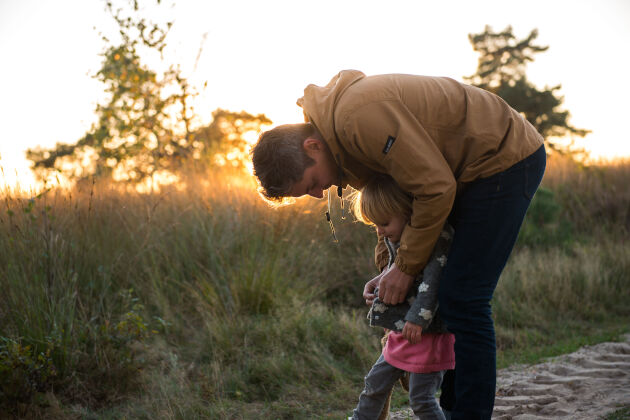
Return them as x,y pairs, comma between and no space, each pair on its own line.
462,153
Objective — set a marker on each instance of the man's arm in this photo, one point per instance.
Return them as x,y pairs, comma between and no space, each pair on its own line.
417,165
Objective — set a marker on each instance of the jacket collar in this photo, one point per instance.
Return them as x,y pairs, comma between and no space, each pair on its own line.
319,103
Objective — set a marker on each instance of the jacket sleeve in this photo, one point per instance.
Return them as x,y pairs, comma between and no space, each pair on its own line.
425,305
416,164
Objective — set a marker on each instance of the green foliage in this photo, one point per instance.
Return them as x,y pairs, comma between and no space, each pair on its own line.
223,139
548,298
60,329
134,132
545,223
212,269
200,301
148,123
620,414
501,70
502,58
24,371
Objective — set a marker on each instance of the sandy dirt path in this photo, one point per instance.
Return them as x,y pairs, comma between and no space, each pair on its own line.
588,384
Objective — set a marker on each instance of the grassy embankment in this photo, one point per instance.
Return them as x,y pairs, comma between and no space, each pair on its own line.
202,302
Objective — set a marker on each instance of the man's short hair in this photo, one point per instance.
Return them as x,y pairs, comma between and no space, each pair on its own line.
279,159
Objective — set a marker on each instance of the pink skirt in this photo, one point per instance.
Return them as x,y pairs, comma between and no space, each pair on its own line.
433,353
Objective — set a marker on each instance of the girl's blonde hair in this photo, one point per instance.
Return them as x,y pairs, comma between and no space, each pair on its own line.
380,199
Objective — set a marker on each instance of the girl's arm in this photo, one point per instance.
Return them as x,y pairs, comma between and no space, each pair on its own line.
412,332
425,305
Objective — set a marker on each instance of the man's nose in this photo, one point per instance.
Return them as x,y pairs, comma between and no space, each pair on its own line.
379,231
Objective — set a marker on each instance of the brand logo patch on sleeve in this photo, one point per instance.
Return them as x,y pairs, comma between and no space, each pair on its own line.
388,144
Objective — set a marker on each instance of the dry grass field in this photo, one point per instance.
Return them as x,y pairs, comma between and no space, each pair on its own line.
198,300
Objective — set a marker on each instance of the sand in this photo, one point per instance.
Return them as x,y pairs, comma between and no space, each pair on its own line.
588,384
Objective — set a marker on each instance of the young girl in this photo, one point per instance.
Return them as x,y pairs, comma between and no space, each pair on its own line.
418,342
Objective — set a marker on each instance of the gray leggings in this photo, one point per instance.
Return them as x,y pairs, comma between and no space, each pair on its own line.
379,382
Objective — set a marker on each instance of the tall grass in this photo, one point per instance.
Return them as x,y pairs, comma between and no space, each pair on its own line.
594,197
201,301
103,285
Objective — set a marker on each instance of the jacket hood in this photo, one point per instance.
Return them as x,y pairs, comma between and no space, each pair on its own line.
319,102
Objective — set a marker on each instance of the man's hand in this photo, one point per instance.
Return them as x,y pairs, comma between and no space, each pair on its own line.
412,332
394,285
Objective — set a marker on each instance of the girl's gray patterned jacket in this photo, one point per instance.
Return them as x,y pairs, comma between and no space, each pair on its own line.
421,304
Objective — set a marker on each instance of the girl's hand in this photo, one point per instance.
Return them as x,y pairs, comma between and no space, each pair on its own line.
368,290
412,332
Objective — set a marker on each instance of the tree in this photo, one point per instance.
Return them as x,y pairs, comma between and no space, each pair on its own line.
224,139
134,135
147,123
501,69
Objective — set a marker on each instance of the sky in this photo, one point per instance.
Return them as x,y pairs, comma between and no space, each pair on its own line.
258,56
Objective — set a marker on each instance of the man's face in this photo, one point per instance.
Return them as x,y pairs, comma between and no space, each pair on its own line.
318,177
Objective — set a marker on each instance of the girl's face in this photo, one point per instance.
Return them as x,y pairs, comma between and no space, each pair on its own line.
392,228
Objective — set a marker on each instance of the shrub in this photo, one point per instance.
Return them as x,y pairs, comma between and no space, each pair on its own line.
545,223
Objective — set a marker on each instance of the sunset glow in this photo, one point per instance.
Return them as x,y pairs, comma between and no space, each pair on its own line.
45,104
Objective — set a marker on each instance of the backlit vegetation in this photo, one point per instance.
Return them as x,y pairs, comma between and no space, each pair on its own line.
200,301
160,286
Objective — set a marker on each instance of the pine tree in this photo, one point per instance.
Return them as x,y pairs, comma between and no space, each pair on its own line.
501,69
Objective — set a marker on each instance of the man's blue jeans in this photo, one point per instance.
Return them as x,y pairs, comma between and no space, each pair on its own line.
487,215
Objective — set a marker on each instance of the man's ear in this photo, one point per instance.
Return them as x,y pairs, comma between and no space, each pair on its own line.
312,145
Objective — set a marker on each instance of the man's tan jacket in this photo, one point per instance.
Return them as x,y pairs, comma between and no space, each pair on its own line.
431,134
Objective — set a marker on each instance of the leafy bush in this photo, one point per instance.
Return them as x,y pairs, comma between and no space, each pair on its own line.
545,223
24,371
